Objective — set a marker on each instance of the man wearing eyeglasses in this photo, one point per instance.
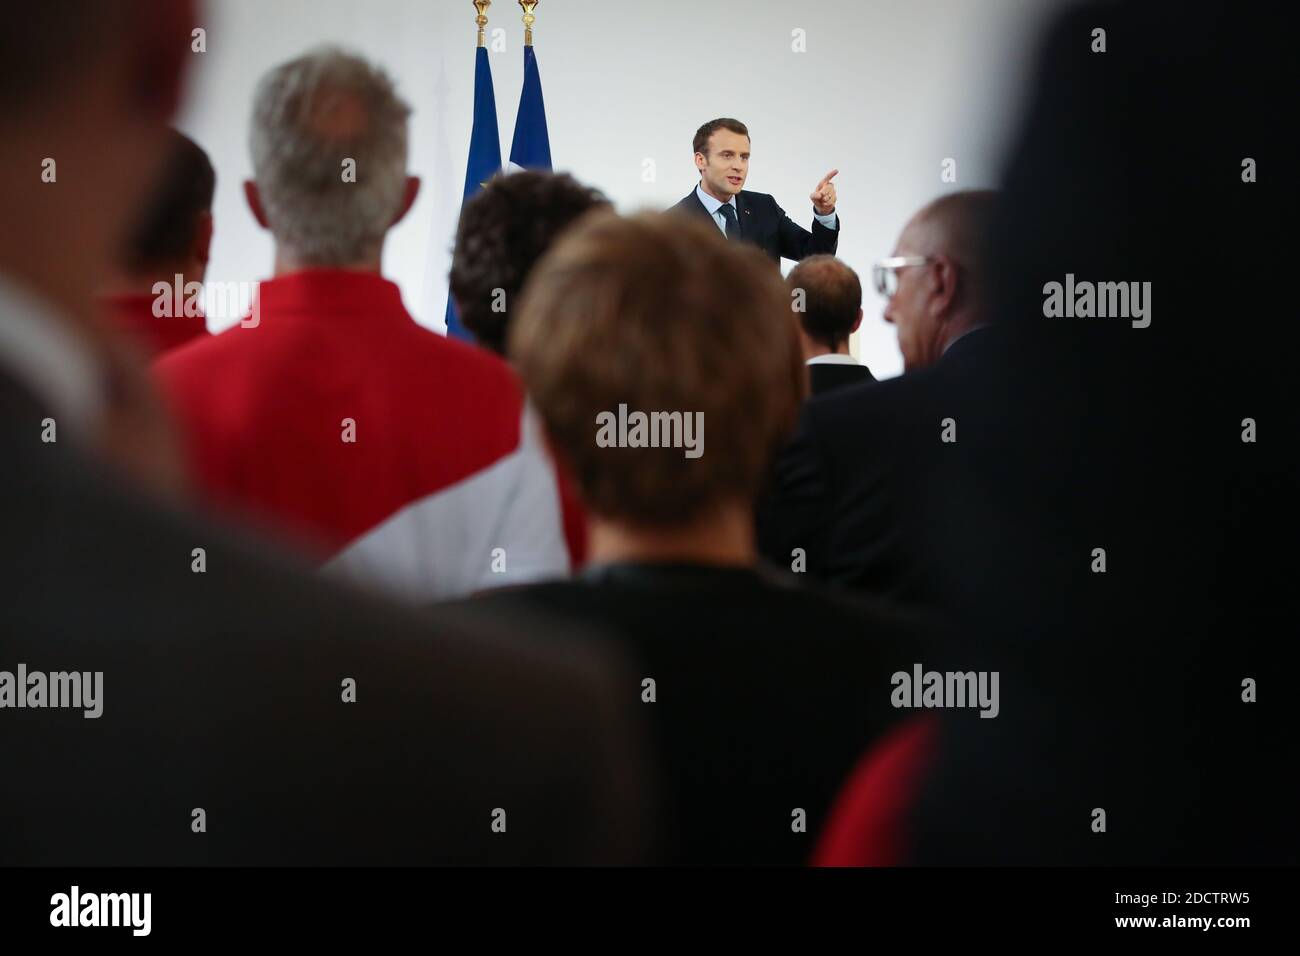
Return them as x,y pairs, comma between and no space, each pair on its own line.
933,283
852,497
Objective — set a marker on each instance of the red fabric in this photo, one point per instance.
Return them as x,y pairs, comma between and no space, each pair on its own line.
868,822
262,407
574,516
156,334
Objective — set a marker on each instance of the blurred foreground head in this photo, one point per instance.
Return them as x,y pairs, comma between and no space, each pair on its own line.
661,318
174,233
86,94
1096,435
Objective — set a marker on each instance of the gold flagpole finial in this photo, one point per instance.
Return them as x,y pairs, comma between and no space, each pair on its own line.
481,6
529,6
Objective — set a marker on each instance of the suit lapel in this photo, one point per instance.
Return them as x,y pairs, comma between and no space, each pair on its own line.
743,212
693,203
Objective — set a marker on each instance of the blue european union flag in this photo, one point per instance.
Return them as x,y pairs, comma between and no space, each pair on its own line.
484,157
531,148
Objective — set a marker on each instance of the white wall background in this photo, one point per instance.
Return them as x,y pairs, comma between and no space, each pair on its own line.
885,91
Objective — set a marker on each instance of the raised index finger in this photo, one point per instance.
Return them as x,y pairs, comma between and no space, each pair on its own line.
828,177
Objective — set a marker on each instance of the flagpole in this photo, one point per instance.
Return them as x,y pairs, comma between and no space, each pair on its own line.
531,148
484,159
529,6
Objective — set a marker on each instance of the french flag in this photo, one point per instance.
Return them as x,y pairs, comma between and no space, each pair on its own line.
531,148
484,158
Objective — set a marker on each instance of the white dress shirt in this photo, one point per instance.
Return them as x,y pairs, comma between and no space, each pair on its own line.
41,353
833,358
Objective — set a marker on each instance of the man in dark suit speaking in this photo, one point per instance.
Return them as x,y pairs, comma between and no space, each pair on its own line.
722,157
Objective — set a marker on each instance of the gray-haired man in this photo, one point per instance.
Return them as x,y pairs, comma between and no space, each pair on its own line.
391,452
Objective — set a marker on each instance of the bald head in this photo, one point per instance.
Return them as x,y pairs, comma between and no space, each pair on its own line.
954,226
941,297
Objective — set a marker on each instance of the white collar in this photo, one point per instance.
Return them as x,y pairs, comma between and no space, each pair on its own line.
38,350
711,204
833,358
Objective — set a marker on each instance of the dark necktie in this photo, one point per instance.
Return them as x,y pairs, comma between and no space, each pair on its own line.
729,214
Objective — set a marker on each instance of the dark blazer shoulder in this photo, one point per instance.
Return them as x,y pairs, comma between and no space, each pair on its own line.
757,201
690,203
170,646
826,378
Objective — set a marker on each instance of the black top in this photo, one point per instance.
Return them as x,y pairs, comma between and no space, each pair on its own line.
224,691
765,694
856,486
825,377
1126,689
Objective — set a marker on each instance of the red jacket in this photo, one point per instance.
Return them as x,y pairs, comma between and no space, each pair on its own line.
156,334
868,823
404,457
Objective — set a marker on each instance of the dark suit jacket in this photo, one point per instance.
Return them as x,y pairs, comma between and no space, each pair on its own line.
853,487
222,690
824,377
1093,434
1078,435
764,224
765,693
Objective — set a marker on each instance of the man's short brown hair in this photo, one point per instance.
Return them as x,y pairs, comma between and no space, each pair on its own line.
660,315
701,142
831,300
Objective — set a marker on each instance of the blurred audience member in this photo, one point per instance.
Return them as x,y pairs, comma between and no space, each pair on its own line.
827,296
216,678
934,282
166,252
504,230
404,458
854,489
1106,527
762,693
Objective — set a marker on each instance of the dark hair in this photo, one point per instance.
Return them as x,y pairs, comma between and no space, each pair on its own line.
171,218
48,46
832,297
503,231
701,142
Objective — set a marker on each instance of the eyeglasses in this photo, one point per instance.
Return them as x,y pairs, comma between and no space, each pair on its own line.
885,272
